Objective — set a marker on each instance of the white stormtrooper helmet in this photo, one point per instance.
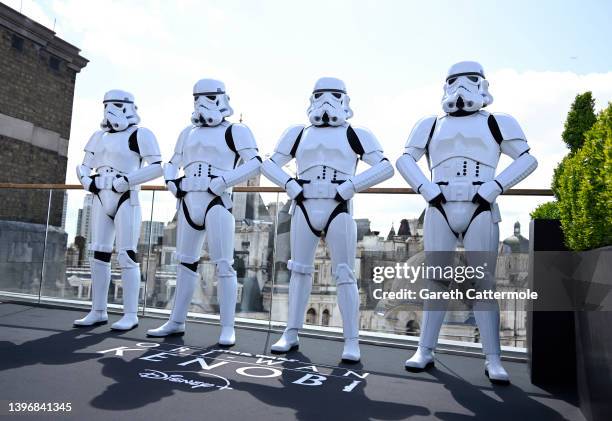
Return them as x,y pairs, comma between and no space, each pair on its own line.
466,90
119,111
211,104
329,103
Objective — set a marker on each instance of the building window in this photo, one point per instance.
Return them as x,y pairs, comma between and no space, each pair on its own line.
311,317
54,63
17,43
325,318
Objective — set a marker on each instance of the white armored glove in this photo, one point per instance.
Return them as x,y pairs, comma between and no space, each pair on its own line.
174,186
293,189
488,191
121,184
346,191
431,192
217,186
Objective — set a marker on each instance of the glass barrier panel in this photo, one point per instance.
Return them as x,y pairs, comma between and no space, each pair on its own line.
23,233
67,269
253,255
389,238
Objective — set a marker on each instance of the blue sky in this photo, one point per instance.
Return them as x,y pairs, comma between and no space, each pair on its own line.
393,56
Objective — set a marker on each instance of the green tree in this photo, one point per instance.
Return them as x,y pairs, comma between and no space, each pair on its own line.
580,119
583,186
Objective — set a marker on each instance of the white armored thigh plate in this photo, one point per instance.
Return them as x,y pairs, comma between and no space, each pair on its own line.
326,146
207,144
468,137
113,150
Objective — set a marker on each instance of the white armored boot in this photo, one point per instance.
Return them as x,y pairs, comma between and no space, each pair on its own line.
300,286
423,358
348,302
100,281
488,325
227,288
186,281
130,281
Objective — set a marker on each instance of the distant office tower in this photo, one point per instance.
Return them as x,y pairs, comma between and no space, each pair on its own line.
84,218
151,231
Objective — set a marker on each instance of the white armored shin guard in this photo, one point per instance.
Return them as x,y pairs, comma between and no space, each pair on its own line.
100,281
300,286
130,281
348,302
488,325
186,281
227,287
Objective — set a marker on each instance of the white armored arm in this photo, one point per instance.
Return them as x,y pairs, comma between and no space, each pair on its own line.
513,143
172,168
416,146
366,144
250,167
246,148
84,170
149,152
283,153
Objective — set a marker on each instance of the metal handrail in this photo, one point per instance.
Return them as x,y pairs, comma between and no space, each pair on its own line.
263,189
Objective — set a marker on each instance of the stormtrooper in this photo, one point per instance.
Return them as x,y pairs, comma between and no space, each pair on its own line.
113,170
463,148
326,154
208,152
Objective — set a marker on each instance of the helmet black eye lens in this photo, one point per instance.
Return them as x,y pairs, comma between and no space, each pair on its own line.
473,78
211,97
452,80
105,105
118,104
195,98
318,95
337,95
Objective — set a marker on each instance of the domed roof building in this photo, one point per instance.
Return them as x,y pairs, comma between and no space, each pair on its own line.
516,243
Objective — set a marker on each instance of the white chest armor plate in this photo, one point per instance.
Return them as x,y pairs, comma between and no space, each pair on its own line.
208,145
113,150
327,146
463,137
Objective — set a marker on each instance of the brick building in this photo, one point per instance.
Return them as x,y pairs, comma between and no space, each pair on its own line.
37,73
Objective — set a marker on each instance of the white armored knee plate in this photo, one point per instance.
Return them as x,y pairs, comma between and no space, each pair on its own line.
329,103
210,103
119,111
466,88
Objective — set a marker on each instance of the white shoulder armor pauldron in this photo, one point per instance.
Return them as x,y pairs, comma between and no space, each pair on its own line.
508,127
147,142
365,139
286,144
421,133
242,136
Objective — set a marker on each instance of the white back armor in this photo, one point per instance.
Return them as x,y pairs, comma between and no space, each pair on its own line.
208,145
328,146
464,137
112,149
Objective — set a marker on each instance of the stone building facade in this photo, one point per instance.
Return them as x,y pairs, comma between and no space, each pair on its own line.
37,76
38,73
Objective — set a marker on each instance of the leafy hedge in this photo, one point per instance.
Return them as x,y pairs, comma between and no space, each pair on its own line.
582,184
548,210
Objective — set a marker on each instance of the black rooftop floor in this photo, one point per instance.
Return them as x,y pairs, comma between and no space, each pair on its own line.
44,359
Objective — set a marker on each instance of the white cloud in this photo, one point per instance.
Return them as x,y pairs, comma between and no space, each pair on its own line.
159,49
